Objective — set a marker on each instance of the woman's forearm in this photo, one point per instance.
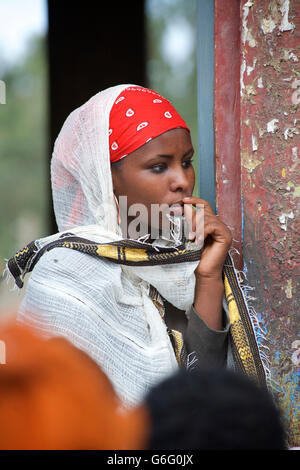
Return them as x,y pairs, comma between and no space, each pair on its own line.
208,301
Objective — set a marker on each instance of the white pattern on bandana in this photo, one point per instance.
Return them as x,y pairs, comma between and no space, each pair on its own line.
129,112
142,125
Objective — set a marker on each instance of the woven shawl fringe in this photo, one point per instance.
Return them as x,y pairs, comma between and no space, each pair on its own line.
260,332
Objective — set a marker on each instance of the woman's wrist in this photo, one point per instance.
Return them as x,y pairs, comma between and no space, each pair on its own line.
209,278
208,300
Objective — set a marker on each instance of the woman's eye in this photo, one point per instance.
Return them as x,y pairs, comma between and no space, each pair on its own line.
187,163
159,168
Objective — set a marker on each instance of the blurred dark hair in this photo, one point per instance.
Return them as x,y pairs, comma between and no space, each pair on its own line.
213,409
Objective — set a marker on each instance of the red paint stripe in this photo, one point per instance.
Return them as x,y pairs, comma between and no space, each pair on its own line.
227,118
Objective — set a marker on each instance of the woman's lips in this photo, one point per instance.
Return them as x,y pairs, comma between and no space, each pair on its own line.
176,209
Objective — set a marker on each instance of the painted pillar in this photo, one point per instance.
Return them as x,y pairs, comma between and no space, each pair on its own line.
227,120
270,183
257,161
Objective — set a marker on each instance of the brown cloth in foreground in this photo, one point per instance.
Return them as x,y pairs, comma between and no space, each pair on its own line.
53,396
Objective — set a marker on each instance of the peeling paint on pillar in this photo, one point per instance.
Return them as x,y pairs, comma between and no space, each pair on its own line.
270,150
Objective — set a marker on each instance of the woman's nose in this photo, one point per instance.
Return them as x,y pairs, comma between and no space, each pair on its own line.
180,181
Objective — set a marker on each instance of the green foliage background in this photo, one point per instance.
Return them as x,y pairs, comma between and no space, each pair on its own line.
23,151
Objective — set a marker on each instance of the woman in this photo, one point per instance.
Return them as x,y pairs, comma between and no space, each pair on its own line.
138,314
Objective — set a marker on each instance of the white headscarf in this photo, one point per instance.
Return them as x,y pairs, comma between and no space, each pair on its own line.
101,307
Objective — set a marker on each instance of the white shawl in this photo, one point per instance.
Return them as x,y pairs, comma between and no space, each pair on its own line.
102,308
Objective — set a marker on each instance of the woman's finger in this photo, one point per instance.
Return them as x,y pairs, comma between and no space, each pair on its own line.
218,231
200,219
198,201
203,224
189,215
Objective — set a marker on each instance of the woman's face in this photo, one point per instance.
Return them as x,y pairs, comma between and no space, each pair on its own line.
159,172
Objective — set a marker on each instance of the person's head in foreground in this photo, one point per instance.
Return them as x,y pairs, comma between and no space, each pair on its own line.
53,396
213,409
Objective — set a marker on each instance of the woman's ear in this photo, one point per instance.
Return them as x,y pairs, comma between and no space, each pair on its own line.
118,209
115,179
116,173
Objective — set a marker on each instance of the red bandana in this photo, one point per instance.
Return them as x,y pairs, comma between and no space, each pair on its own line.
137,116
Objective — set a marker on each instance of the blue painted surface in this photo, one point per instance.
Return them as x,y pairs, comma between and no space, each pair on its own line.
205,66
242,218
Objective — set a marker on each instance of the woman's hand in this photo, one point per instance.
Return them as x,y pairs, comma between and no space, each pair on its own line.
216,236
208,228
